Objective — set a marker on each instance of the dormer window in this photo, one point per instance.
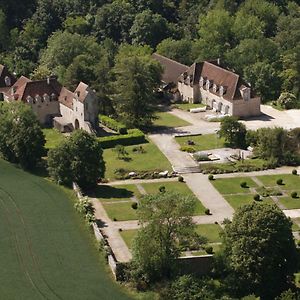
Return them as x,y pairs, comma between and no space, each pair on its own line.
185,75
246,92
7,81
29,99
207,84
46,97
53,97
38,98
214,88
221,90
201,81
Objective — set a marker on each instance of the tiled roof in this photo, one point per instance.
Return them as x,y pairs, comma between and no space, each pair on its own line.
171,68
66,97
81,91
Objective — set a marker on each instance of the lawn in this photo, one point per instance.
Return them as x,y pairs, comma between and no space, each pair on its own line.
232,185
120,211
289,202
46,250
290,182
202,142
210,231
128,236
165,119
53,137
152,159
187,106
237,201
178,187
107,193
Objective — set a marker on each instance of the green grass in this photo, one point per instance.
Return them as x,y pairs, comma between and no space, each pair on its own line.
232,185
46,250
153,159
216,249
187,106
128,236
237,201
289,202
295,227
210,231
178,187
202,142
107,193
166,119
53,138
290,182
120,211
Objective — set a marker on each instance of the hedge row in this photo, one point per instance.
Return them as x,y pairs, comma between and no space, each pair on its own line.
133,137
113,124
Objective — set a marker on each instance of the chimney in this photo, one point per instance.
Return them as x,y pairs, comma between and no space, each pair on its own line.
218,61
48,80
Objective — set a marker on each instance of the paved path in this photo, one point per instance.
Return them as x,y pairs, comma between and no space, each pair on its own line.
114,238
138,181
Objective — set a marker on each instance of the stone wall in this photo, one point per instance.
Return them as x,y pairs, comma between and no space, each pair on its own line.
198,265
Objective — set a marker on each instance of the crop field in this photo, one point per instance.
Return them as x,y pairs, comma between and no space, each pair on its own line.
46,251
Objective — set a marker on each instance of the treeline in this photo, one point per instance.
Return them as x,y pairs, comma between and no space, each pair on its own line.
78,39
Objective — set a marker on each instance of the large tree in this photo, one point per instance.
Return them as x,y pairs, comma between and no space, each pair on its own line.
21,138
259,251
137,76
165,220
78,158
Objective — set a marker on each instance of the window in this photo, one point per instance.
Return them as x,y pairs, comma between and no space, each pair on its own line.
221,91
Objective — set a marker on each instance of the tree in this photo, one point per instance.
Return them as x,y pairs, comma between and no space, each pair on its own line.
259,251
233,131
21,138
165,220
137,78
149,29
288,101
78,158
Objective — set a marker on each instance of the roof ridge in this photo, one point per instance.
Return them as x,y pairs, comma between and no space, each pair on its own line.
170,59
222,68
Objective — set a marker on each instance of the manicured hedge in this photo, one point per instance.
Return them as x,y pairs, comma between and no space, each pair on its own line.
113,124
133,137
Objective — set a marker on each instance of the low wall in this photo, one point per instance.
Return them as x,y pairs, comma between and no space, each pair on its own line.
112,262
198,265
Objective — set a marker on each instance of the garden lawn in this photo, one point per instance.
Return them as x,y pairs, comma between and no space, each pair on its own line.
210,231
289,202
120,211
47,252
290,182
151,160
237,201
53,138
165,119
128,236
188,106
232,185
202,142
107,193
178,187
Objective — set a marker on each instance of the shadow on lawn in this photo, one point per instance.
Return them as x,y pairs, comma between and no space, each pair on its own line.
108,192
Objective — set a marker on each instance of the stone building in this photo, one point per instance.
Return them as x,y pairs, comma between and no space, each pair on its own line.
54,105
210,83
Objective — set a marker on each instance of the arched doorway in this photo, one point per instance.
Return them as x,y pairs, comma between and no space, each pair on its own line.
76,124
226,110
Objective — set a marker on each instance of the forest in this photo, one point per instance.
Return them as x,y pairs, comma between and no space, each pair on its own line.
79,40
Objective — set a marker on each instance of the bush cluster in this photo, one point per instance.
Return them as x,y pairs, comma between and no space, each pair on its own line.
294,195
113,124
244,184
134,136
189,149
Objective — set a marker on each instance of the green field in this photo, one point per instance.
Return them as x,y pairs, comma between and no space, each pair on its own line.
53,137
210,231
120,211
232,185
165,119
187,106
290,182
46,251
237,201
152,159
128,236
202,142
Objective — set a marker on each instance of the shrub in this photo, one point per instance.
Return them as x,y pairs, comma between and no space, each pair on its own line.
115,219
279,181
180,179
201,157
294,172
113,124
207,211
244,184
162,189
188,149
294,195
211,177
134,205
288,100
133,137
256,197
209,250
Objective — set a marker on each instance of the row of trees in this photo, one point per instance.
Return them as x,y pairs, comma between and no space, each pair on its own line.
78,158
80,40
258,254
276,144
